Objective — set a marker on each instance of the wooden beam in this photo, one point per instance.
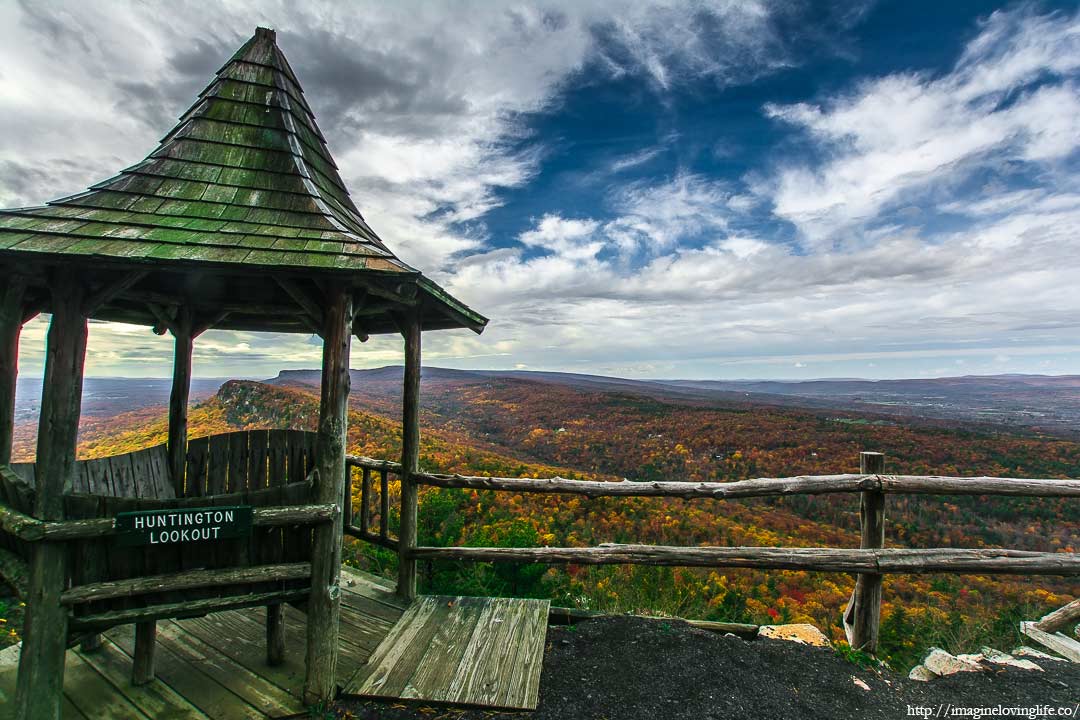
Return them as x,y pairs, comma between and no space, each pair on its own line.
1061,644
12,312
866,607
1052,622
40,684
324,608
361,461
308,304
32,530
183,344
199,328
107,292
377,309
799,485
148,297
165,322
399,299
410,458
186,580
142,662
275,634
1014,487
885,561
191,608
14,571
765,487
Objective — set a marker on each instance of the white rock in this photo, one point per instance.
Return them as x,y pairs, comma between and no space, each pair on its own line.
1000,658
940,662
1026,651
920,673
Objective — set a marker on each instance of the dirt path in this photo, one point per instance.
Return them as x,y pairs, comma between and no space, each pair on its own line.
616,668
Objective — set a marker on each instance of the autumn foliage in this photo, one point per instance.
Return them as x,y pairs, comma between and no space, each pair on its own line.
515,427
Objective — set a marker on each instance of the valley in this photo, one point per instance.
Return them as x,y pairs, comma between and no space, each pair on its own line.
517,425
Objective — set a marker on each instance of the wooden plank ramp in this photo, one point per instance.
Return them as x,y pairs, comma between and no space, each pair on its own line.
484,652
214,667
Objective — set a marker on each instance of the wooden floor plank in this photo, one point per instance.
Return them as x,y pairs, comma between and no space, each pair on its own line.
9,669
522,688
155,699
371,607
353,575
384,675
239,638
477,679
96,698
355,582
363,630
201,689
214,667
252,687
350,654
431,680
464,651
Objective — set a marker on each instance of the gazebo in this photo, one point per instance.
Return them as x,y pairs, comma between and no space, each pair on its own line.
239,220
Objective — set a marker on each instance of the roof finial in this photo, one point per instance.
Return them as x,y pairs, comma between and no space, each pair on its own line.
265,34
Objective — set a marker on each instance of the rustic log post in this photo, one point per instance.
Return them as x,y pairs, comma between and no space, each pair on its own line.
324,608
40,683
11,323
410,458
867,597
183,343
275,634
142,669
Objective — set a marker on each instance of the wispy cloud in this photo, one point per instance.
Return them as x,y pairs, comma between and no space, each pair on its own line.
1012,98
904,216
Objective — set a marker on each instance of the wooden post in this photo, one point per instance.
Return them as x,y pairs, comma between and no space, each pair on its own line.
275,634
324,608
410,458
11,323
867,598
40,684
178,399
142,670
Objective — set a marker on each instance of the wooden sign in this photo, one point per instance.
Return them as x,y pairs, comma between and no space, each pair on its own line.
175,527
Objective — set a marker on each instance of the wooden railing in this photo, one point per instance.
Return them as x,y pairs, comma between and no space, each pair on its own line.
869,562
106,584
369,468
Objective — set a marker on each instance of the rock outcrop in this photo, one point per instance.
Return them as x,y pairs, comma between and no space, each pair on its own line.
939,663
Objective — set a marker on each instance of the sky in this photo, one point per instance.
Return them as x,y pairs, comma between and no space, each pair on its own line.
709,189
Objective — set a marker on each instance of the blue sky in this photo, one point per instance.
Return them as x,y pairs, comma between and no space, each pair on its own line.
666,189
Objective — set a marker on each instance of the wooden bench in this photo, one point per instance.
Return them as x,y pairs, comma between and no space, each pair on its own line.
108,583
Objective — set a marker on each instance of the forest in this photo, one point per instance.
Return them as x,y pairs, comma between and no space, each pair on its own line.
516,427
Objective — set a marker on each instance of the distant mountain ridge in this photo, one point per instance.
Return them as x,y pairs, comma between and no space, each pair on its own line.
1048,403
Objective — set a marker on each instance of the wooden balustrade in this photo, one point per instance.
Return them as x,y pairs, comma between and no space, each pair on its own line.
870,562
368,468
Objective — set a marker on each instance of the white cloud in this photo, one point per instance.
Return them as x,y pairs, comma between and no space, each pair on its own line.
901,137
422,106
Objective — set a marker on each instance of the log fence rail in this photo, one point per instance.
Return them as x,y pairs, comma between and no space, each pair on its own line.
870,562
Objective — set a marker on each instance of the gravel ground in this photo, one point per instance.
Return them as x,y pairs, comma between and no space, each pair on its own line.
633,668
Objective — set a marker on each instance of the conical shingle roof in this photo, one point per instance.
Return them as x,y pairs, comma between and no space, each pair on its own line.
243,182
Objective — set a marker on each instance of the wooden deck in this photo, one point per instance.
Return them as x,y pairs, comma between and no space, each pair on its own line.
215,666
462,651
471,651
